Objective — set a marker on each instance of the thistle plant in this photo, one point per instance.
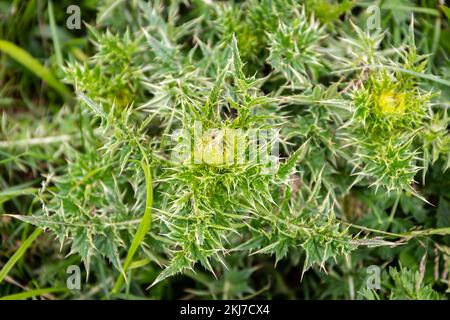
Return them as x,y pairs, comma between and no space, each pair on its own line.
112,74
407,285
294,48
227,141
390,111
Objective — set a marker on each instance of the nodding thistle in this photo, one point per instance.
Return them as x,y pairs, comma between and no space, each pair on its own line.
385,105
387,120
390,112
391,103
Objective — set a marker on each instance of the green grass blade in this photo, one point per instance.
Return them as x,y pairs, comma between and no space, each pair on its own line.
13,192
103,15
18,254
426,76
143,228
394,8
34,66
446,11
55,38
32,293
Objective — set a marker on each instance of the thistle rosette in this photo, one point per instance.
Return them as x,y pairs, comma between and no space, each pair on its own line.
211,181
390,111
294,48
385,105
